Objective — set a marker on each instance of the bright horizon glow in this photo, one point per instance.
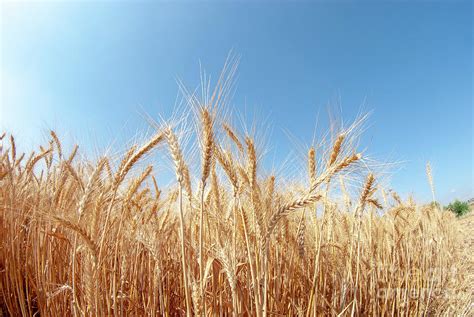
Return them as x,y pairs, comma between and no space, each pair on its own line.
89,70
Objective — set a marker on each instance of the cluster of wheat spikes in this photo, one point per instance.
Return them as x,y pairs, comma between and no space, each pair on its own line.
97,238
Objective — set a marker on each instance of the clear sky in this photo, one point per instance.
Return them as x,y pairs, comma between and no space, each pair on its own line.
89,69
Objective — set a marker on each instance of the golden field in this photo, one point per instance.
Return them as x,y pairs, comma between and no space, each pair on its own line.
103,237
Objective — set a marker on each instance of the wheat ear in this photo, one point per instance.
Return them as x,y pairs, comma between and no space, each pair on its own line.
312,166
147,147
13,148
57,142
208,144
429,175
90,184
286,208
231,134
336,148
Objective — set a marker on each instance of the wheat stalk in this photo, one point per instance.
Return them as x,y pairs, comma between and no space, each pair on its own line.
180,170
207,149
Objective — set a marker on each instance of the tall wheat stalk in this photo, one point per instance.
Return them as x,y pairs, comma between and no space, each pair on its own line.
180,168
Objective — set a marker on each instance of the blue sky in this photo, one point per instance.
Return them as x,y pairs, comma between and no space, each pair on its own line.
89,69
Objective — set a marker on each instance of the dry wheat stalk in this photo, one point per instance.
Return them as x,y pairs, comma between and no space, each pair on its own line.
181,175
207,149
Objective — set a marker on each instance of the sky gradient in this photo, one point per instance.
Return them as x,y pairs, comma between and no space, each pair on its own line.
90,69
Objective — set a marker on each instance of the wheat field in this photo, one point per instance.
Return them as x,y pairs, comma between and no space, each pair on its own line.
226,238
